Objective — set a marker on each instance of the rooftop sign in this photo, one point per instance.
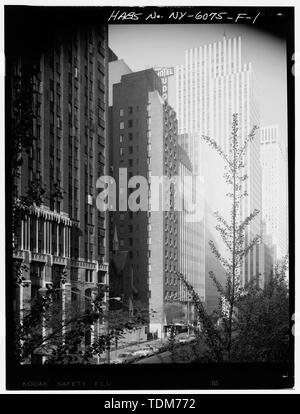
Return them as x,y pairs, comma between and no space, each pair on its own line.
164,73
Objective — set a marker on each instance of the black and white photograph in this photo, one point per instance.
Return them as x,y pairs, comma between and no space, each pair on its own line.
149,189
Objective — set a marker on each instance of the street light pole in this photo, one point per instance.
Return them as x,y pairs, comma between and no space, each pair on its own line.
188,313
117,298
106,313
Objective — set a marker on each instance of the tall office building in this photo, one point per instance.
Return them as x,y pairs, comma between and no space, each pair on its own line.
207,166
212,85
191,223
116,69
64,242
274,184
191,260
267,258
144,143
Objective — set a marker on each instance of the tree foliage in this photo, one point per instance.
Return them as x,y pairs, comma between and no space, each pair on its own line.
233,232
262,327
251,322
59,335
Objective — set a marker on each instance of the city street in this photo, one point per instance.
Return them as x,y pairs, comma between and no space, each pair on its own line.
183,352
115,353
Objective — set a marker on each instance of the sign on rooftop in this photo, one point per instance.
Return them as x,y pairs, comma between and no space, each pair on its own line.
164,73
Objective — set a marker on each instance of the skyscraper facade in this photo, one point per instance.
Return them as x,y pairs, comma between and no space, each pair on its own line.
207,166
268,256
129,154
63,242
163,219
144,137
274,187
191,260
213,84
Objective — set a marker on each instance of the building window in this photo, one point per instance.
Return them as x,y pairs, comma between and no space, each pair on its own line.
130,123
130,110
88,275
121,112
122,138
122,125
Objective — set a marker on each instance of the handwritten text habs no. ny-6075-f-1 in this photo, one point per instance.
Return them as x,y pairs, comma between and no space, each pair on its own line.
119,15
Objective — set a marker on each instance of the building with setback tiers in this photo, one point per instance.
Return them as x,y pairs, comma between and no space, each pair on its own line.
214,83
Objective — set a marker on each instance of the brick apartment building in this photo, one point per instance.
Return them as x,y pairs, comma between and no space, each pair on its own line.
143,132
64,240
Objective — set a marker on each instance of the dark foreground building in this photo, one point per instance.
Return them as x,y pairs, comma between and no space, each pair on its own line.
58,131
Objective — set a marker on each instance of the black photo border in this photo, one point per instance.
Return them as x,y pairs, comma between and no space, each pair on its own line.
22,24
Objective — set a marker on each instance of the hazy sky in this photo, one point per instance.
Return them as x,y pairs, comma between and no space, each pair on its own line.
143,46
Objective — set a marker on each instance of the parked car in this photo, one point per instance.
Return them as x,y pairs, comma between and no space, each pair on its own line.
127,357
143,352
192,338
155,349
181,338
185,338
124,358
116,361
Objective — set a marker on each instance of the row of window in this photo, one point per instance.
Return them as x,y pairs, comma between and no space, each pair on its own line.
171,295
129,124
171,281
122,137
130,150
129,111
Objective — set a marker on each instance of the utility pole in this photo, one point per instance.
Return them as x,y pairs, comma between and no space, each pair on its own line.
188,313
107,331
